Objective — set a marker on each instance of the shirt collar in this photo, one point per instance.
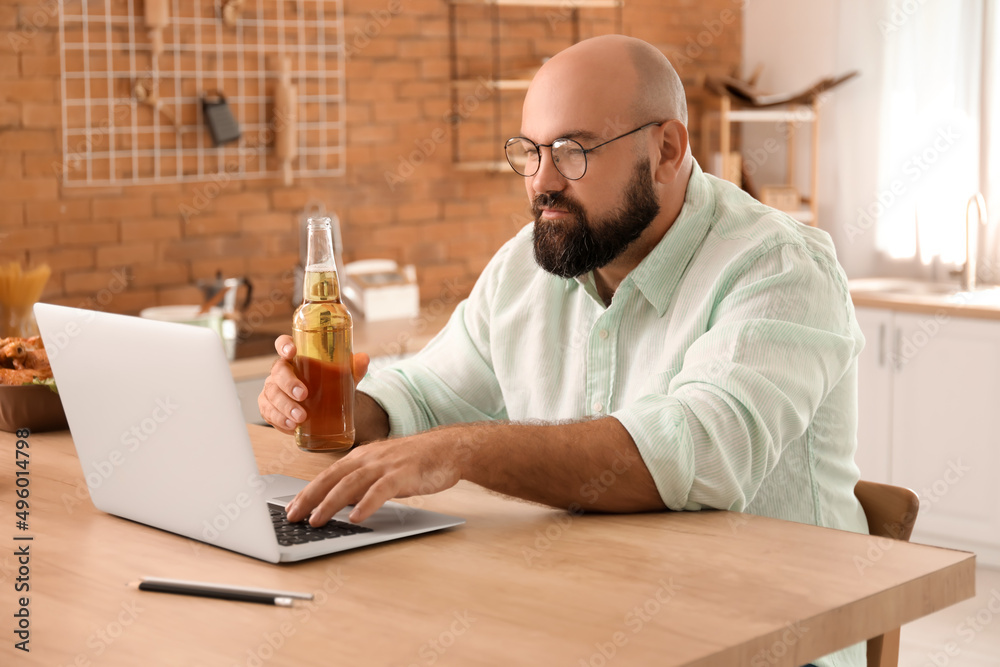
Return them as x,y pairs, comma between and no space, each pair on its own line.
659,273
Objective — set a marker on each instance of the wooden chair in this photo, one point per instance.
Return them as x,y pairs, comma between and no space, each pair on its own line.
891,512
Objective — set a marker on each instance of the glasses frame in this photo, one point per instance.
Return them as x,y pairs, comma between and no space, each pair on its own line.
586,162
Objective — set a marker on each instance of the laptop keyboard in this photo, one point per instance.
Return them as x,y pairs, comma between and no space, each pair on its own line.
300,532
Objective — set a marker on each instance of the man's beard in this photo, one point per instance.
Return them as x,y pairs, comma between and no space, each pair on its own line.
572,247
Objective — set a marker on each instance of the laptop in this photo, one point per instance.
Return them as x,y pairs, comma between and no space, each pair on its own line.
158,429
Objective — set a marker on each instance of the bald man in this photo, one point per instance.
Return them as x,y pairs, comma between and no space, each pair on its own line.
655,339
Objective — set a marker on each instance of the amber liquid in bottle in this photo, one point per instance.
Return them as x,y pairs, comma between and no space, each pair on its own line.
322,330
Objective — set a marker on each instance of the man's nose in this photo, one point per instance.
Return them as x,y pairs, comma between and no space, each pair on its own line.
547,178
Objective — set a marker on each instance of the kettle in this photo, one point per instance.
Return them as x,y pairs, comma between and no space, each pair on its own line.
210,288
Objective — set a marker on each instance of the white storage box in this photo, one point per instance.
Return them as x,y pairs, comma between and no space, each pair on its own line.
378,289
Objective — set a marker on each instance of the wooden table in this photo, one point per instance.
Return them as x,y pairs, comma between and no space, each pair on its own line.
518,584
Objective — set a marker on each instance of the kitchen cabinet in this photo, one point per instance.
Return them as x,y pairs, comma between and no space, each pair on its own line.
874,395
929,419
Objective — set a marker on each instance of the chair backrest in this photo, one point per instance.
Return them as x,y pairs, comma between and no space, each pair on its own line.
891,512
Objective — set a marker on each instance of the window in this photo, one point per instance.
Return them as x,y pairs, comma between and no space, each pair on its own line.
940,129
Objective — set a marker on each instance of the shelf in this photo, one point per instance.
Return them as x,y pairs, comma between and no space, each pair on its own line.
494,84
566,4
484,165
792,115
798,113
802,215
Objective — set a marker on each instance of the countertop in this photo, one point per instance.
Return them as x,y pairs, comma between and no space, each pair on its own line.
255,353
984,303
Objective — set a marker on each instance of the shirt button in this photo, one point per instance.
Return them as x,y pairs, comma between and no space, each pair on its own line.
603,333
598,406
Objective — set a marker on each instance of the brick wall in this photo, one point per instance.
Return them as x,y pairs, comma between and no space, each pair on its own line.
126,248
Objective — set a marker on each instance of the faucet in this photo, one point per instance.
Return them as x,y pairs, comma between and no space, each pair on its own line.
968,271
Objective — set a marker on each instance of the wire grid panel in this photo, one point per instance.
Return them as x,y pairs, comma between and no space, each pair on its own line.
110,137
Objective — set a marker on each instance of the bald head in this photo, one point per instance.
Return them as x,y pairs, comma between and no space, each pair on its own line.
619,74
661,93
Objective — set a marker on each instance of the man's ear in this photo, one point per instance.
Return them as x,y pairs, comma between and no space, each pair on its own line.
673,149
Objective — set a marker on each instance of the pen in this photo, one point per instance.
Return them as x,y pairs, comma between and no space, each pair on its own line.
222,591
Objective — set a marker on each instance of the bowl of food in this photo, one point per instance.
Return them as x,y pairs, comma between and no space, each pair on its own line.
28,398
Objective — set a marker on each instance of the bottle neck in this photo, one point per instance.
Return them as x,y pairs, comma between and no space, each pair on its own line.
319,286
320,281
320,247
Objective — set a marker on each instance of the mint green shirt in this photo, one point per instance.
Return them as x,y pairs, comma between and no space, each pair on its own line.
729,354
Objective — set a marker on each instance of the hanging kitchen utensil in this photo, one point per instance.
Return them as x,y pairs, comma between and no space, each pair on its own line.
145,94
286,113
157,15
232,12
219,117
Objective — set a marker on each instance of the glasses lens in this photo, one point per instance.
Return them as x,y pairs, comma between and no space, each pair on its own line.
522,156
570,158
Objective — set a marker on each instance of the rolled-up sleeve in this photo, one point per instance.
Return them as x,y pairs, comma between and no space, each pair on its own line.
452,379
779,339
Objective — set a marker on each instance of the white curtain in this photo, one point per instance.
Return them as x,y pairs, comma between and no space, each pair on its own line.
850,135
990,157
935,144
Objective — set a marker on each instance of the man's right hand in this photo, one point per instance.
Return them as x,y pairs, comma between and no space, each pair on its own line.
280,402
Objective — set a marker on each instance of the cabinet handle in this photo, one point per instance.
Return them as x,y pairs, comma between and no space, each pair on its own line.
897,350
881,345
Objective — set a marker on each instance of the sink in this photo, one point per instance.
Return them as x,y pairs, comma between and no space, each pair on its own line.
906,289
982,296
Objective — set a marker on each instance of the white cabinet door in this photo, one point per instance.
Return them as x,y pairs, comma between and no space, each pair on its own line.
946,425
875,395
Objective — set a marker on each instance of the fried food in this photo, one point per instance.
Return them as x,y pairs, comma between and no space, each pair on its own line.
12,349
23,360
10,376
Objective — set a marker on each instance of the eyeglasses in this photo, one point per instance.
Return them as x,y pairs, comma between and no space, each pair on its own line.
569,157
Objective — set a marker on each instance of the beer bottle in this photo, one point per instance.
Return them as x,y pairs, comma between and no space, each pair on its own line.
322,330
